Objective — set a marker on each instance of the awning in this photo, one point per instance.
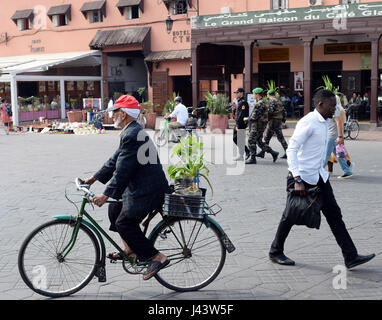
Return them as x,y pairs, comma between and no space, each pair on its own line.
41,62
119,37
22,14
94,6
129,3
169,55
60,10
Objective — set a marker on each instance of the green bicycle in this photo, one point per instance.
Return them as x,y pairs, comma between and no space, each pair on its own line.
62,256
162,137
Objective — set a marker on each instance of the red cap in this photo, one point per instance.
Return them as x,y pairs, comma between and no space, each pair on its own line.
127,101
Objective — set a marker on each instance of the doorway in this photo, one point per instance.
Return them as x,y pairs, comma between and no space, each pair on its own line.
278,72
183,86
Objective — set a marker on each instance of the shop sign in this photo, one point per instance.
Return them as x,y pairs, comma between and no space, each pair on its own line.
298,81
279,54
35,46
354,10
362,47
181,36
366,61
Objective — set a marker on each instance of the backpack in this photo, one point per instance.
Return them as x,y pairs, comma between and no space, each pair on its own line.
8,110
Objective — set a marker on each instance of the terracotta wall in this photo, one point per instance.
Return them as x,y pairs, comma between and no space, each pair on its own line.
76,36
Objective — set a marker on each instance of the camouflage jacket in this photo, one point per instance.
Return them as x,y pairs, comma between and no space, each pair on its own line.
275,109
259,112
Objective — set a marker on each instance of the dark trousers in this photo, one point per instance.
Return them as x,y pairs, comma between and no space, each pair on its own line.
332,213
241,142
256,138
274,126
127,223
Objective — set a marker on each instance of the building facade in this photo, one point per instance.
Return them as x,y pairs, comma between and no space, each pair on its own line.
61,51
293,42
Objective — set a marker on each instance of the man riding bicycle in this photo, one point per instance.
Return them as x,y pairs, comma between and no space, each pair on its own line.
140,183
181,114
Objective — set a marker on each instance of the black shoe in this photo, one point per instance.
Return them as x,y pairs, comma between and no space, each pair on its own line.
281,259
251,160
275,155
284,156
261,154
359,260
247,155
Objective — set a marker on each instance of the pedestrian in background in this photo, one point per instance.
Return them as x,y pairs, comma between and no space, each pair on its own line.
258,120
275,121
306,151
6,118
336,137
241,112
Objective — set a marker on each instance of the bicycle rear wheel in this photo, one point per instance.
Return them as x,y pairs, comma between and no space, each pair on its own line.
353,130
42,266
196,252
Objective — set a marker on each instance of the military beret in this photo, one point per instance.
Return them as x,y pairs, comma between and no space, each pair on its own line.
257,90
271,91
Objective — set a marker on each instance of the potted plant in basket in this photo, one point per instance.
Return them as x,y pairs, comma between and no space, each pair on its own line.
189,167
218,113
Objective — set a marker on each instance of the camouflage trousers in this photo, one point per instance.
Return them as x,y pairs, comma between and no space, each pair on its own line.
274,126
255,138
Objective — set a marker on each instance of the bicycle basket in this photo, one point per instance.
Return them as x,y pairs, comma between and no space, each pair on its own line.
176,205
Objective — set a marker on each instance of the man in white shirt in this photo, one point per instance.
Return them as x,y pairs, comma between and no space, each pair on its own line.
306,153
181,114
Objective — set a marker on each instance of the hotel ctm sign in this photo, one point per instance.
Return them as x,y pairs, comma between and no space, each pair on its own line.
316,13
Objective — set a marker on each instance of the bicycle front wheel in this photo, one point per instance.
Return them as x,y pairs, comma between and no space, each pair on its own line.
46,271
196,253
161,138
353,130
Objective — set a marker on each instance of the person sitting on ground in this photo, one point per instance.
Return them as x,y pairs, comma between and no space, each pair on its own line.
140,183
181,114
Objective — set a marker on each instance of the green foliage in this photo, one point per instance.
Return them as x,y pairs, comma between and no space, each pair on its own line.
141,91
271,85
218,104
170,104
328,85
191,161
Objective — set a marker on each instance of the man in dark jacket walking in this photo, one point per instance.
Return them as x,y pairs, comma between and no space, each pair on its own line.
134,174
242,111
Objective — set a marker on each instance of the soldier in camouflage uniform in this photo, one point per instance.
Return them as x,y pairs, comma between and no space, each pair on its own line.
258,120
276,116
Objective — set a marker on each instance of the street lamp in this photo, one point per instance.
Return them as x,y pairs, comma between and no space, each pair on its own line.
169,23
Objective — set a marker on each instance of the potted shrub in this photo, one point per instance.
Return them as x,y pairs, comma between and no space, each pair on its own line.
189,167
328,85
218,112
151,116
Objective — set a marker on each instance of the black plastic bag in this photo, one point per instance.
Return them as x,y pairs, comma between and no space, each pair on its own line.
303,210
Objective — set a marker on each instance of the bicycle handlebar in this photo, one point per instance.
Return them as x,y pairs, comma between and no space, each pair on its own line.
80,184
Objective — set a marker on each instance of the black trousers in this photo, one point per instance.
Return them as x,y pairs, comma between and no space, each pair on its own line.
332,213
241,143
127,223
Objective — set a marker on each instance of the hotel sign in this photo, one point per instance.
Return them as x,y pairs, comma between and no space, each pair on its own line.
316,13
363,47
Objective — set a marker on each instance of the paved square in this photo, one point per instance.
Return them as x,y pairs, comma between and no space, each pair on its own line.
36,168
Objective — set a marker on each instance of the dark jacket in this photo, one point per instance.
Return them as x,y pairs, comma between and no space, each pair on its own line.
129,177
242,111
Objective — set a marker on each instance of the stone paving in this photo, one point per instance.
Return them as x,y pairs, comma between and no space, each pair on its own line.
36,168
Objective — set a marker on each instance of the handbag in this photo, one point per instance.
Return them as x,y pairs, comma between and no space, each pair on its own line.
303,210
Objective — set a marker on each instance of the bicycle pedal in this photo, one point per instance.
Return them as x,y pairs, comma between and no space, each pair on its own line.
101,274
113,261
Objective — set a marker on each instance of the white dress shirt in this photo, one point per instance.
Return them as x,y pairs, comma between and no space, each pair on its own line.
181,114
307,148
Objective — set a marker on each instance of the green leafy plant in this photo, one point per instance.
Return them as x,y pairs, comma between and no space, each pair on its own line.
170,104
142,91
271,85
191,163
328,85
149,106
217,104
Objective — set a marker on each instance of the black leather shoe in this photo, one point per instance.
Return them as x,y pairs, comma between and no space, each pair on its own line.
284,156
261,154
275,155
251,160
281,259
359,260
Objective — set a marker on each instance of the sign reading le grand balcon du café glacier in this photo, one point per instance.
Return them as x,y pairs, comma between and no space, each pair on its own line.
355,10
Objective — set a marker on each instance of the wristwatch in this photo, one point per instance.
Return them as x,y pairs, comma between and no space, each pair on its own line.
298,180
